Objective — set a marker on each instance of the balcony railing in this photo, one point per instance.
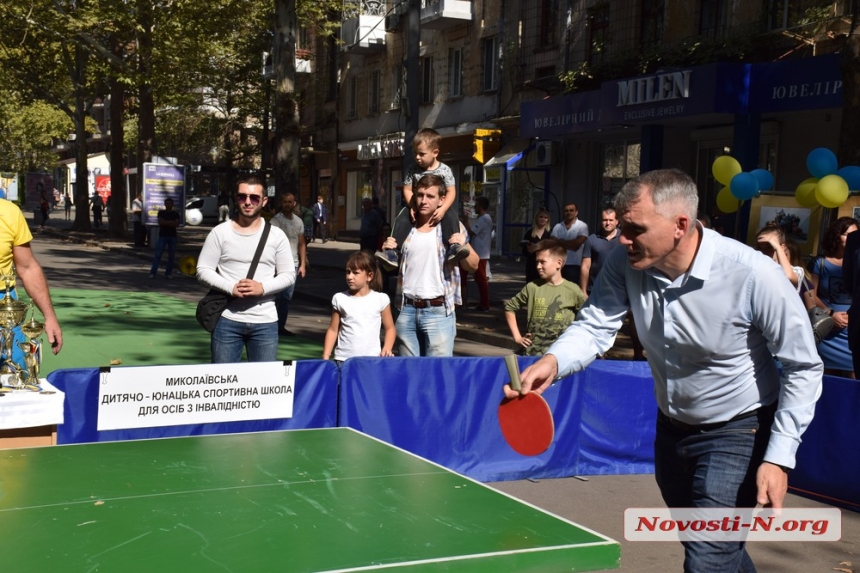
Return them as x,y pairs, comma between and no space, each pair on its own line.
444,14
363,26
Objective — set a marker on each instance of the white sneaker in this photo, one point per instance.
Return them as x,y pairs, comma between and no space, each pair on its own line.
388,258
457,253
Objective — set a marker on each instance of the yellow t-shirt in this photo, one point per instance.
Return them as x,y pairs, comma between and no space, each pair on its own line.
13,232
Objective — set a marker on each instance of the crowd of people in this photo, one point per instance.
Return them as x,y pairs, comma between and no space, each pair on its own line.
821,286
725,327
430,251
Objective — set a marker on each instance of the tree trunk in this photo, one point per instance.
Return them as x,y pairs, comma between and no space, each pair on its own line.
82,172
118,224
286,110
146,102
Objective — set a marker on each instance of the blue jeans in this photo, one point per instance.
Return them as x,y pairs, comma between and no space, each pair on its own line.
260,341
170,243
712,468
426,331
282,302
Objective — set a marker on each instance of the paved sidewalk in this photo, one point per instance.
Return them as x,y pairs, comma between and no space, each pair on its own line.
326,277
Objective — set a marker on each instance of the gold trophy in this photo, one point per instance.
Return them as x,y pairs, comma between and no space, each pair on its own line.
32,350
12,313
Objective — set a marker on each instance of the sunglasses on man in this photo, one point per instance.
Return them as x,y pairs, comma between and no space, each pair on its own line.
254,199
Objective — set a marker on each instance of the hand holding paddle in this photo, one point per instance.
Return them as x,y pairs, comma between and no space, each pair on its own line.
525,420
536,378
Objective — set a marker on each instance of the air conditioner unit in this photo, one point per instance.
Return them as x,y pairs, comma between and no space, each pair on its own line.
392,22
545,153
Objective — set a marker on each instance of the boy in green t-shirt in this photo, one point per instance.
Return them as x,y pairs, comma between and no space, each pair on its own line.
552,302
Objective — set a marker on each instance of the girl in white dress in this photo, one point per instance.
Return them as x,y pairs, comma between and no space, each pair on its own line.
358,313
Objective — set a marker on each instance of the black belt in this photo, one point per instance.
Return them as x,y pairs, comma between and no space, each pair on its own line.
713,425
425,302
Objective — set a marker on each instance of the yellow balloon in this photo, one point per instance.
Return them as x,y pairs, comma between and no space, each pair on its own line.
805,192
724,168
726,202
831,191
188,265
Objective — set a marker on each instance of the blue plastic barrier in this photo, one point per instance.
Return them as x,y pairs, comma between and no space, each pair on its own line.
619,415
828,460
314,406
444,409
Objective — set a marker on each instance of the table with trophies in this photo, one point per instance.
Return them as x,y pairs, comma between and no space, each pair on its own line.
30,407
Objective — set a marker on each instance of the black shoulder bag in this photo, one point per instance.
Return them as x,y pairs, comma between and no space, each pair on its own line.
211,306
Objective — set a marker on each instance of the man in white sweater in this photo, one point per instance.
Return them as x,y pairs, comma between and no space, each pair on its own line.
251,319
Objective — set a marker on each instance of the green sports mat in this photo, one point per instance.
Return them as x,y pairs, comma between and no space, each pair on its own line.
298,501
103,328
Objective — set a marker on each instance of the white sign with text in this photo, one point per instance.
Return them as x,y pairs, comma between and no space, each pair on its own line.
155,396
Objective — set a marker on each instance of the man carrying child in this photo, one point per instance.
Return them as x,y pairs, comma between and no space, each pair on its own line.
425,145
430,284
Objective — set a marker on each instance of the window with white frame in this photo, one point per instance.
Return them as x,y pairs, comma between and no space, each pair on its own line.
374,86
455,72
490,60
352,98
428,92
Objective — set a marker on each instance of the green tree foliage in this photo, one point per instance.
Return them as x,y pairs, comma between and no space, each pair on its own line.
27,132
42,60
188,72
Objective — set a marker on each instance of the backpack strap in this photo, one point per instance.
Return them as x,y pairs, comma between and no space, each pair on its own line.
259,250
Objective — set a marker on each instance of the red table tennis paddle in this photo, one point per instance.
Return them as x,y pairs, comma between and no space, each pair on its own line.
526,421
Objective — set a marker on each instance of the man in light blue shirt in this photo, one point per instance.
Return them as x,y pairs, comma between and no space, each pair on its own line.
712,314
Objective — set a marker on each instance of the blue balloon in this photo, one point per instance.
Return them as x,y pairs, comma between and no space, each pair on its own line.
744,186
764,178
821,162
851,175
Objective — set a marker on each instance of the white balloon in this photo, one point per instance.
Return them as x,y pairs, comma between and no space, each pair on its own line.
193,216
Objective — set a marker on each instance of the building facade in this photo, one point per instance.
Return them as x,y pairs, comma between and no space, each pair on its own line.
576,96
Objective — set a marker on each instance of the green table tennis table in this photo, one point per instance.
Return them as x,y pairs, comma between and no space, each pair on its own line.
303,500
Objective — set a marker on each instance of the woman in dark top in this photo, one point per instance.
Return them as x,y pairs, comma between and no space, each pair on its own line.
540,230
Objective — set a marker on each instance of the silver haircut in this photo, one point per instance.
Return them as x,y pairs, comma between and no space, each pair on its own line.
672,191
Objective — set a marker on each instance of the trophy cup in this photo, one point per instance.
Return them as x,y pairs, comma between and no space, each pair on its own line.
12,314
32,350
